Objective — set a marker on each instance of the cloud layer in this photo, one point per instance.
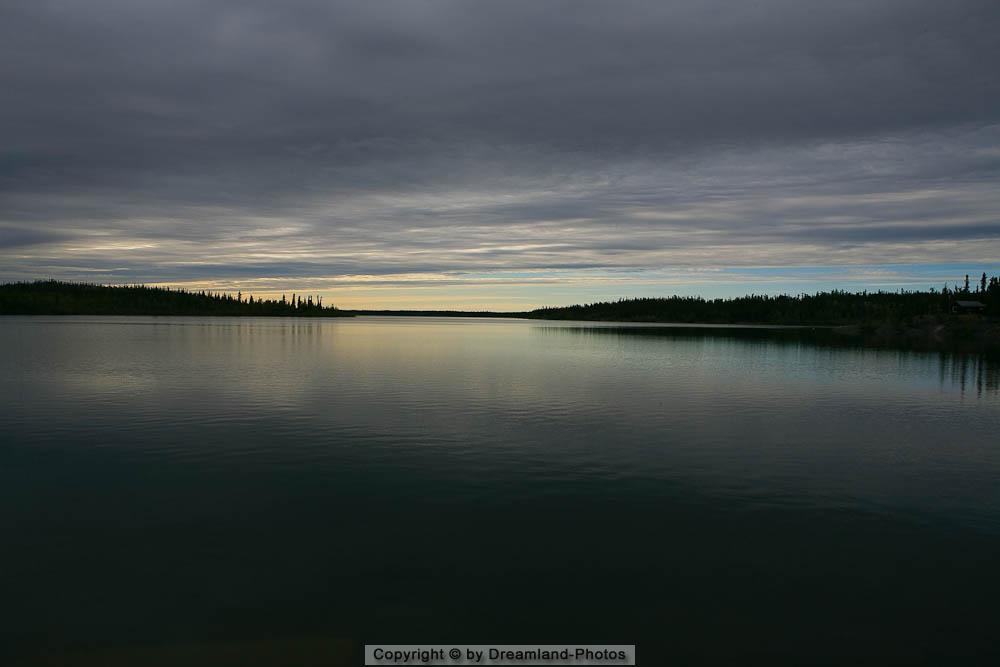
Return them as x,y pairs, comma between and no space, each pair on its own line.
501,151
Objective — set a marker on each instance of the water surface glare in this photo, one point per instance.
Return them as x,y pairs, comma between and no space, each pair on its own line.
174,481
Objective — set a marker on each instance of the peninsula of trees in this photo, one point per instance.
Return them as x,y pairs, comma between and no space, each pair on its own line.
824,308
52,297
961,319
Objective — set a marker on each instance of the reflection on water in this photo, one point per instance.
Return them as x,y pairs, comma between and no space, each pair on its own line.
976,372
183,481
972,371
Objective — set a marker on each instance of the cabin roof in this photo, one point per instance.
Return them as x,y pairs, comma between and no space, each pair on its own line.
970,304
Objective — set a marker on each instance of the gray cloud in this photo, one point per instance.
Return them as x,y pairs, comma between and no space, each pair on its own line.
184,141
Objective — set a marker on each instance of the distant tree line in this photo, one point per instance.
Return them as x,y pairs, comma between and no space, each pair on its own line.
52,297
835,307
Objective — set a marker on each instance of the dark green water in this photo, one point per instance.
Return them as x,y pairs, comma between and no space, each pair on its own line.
187,482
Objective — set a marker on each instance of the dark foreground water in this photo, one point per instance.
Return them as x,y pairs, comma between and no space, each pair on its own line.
235,491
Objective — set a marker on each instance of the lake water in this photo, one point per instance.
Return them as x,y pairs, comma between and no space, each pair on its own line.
205,486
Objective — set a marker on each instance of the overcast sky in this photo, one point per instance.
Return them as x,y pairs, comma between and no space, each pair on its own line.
500,154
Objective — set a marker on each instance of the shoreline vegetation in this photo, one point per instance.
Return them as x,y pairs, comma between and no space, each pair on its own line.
932,320
52,297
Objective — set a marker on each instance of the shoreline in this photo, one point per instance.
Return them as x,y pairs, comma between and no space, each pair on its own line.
956,334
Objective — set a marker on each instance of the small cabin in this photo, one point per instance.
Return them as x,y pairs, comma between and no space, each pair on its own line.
968,307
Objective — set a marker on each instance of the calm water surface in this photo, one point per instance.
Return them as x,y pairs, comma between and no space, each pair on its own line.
212,481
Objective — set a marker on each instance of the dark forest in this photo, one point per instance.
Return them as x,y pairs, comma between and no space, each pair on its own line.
52,297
